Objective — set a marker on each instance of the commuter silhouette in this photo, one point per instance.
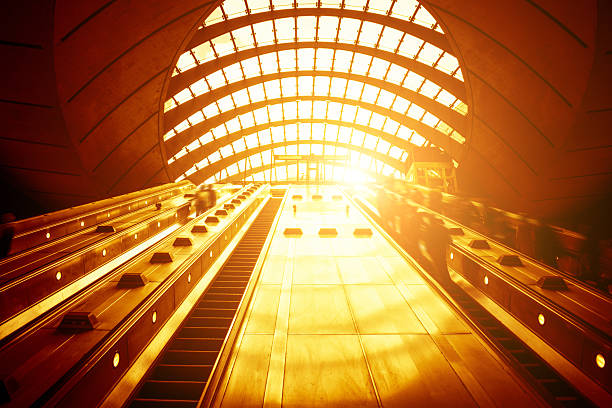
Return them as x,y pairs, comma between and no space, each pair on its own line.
7,231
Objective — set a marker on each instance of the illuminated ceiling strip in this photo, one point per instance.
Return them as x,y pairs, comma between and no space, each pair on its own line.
360,158
339,173
354,140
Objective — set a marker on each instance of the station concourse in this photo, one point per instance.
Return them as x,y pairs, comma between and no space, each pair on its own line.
306,203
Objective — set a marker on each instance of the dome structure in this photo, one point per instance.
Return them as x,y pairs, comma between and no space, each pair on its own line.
106,97
365,80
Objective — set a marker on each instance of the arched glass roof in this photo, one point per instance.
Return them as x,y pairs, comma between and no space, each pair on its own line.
361,79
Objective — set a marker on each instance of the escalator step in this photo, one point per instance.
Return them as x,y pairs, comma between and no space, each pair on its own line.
165,372
196,344
174,390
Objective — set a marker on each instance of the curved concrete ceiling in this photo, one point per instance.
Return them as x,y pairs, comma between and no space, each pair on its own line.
84,86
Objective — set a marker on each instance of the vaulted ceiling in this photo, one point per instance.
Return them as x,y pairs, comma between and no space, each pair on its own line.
105,97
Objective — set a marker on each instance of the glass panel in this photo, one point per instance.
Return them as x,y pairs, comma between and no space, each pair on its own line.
216,79
273,89
353,90
429,54
390,39
415,112
305,58
338,87
377,121
448,63
370,32
369,93
385,99
305,85
257,6
379,68
200,87
413,81
306,27
355,4
285,30
379,6
211,110
391,126
429,89
223,44
169,104
289,87
325,58
321,85
342,61
233,73
251,67
264,137
234,8
183,96
361,63
287,60
404,9
410,46
348,113
424,18
264,32
328,28
247,120
203,52
196,118
214,17
257,93
348,29
290,110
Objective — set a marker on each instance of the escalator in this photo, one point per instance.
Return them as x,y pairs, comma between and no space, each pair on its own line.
181,372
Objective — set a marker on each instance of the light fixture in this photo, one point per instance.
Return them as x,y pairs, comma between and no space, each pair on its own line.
58,275
600,361
154,316
104,252
541,319
486,280
189,278
116,359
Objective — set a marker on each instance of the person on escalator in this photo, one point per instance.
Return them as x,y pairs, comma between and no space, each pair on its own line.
212,196
437,242
201,201
7,231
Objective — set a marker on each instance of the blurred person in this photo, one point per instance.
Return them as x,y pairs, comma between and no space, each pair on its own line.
212,196
201,200
434,201
468,214
437,243
410,227
7,232
547,246
417,197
